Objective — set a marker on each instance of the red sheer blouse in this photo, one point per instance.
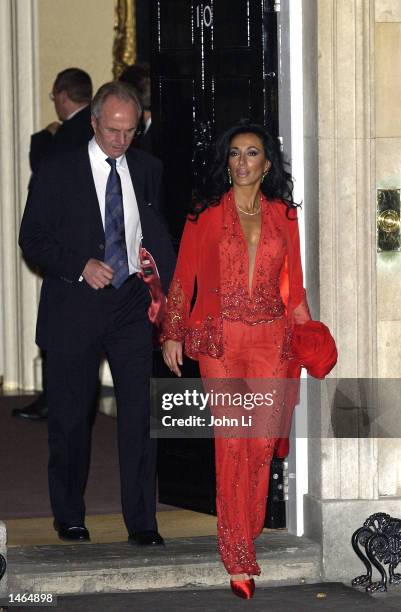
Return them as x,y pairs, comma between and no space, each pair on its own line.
214,253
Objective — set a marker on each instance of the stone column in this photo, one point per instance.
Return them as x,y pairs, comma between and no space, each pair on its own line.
19,287
388,176
340,144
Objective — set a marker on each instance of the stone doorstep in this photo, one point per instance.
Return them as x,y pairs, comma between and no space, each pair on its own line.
3,535
184,563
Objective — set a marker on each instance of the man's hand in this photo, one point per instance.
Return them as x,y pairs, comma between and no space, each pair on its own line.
53,127
172,355
97,274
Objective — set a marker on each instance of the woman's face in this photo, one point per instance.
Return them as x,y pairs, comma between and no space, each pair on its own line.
247,160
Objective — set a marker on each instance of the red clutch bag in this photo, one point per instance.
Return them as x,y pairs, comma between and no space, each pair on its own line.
313,347
150,276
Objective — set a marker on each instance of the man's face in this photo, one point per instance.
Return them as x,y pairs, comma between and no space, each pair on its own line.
115,128
59,99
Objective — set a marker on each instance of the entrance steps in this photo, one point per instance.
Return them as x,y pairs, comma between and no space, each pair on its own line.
184,562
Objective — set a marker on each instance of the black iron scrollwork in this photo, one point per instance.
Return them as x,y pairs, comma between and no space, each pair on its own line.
3,566
378,543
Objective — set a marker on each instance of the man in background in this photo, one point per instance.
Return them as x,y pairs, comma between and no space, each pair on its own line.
72,95
138,76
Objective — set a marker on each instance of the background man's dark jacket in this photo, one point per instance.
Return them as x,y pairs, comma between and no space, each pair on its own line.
71,134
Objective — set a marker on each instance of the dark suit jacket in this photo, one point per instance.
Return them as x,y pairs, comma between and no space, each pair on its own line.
71,134
62,228
144,141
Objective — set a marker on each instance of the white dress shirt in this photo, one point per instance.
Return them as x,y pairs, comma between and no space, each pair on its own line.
75,112
147,124
101,170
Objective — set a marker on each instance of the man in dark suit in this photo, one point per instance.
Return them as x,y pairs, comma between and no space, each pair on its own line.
87,215
71,94
138,76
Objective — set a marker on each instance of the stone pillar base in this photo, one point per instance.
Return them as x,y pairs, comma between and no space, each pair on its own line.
332,522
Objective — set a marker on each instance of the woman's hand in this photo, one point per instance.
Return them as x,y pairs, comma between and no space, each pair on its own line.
172,355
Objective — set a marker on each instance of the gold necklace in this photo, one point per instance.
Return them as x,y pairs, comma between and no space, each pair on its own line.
251,214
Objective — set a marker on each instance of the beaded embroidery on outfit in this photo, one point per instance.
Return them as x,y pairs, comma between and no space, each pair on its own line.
264,303
205,338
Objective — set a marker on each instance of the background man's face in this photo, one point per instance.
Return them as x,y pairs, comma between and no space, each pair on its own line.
59,100
115,128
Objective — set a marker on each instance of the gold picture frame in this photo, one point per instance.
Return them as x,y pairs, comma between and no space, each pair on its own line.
124,46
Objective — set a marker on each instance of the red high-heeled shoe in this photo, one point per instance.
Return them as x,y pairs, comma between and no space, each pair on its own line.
243,588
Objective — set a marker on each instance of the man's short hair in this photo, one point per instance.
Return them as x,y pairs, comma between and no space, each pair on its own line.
122,91
138,76
76,83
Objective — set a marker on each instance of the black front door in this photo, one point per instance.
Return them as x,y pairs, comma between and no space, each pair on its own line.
212,63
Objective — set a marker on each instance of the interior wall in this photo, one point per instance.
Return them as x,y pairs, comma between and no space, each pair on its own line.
73,33
38,39
66,34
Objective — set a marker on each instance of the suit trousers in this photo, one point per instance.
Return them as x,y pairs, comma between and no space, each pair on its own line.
125,337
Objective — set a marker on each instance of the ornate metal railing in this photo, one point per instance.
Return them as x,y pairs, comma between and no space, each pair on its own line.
378,543
3,566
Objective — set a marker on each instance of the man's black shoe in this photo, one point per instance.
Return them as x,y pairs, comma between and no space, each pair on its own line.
73,533
146,538
35,411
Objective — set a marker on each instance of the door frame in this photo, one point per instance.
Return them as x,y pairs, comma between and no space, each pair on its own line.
291,131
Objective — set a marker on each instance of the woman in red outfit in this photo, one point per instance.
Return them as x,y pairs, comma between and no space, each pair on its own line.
241,246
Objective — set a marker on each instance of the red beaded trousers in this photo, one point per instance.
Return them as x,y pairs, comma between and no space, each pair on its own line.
243,464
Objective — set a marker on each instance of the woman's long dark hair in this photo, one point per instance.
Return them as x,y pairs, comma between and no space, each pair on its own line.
214,181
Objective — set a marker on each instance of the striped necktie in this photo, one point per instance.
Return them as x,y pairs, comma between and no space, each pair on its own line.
116,248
